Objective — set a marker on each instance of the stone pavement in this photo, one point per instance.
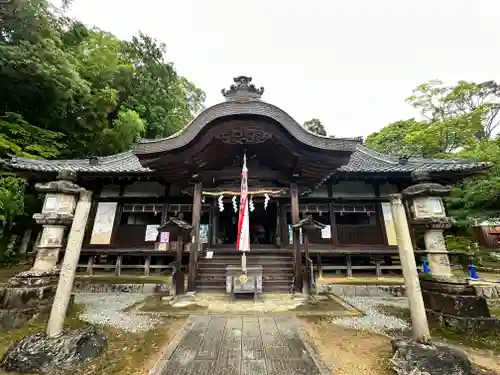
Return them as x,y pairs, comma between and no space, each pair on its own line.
240,346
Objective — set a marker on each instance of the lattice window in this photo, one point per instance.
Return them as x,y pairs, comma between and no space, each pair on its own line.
143,207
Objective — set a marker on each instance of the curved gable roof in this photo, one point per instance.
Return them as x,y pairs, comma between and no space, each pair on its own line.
250,107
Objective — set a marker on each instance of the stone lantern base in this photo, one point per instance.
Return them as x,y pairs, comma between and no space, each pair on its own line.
452,302
25,296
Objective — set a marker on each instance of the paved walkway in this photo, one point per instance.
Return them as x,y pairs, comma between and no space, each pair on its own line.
240,346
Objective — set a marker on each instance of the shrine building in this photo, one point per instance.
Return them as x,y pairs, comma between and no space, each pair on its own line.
194,175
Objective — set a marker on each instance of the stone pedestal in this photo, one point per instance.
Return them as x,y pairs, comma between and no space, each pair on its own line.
26,295
32,292
254,275
452,302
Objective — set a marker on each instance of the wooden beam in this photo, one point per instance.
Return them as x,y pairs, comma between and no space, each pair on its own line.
235,173
195,237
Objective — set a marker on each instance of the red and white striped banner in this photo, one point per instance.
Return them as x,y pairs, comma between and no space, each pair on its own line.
243,241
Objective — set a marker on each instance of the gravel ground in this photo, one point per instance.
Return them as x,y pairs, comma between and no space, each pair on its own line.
106,309
374,319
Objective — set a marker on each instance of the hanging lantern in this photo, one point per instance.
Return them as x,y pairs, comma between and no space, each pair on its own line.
221,203
266,201
235,205
251,206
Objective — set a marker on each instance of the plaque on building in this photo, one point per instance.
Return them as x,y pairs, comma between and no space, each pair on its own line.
103,223
151,232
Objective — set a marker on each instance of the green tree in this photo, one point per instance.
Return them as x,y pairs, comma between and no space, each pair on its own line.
18,137
73,91
165,100
459,122
438,138
439,102
63,77
315,126
477,199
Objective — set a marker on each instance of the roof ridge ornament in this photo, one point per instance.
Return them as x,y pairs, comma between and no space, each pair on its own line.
242,90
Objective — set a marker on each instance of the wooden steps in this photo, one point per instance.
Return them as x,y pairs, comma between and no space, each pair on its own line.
277,269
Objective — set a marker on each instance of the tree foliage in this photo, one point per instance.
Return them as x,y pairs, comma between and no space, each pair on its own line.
315,126
69,90
460,122
86,84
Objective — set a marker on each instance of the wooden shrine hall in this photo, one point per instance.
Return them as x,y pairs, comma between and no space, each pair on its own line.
194,176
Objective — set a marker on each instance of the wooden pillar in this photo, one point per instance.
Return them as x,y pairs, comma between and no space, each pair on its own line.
195,237
333,222
211,220
294,197
283,226
178,276
308,275
333,225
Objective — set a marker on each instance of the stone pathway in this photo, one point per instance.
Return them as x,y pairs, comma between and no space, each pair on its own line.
240,346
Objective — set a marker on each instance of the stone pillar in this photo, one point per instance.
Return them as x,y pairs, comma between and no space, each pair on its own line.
69,265
450,301
420,325
32,292
437,256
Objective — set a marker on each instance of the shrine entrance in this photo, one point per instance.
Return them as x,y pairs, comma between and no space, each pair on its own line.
263,224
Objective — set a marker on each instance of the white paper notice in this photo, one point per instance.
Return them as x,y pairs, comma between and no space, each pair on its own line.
103,223
326,232
209,254
152,232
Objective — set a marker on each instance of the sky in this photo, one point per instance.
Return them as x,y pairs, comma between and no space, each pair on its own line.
349,63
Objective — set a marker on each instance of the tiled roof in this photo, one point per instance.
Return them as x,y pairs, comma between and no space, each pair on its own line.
362,160
365,160
125,162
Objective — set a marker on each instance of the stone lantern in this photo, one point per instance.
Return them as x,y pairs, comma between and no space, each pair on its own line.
428,216
32,292
450,301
